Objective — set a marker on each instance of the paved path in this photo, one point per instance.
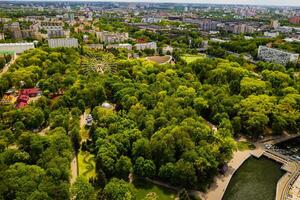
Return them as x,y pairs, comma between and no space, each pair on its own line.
44,131
6,67
294,191
74,162
74,169
285,184
82,120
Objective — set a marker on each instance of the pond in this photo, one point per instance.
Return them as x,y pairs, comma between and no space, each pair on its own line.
255,179
144,187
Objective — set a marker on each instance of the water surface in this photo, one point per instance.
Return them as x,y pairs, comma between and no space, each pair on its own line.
256,179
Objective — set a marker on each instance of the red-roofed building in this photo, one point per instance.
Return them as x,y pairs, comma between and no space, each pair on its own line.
23,98
294,20
141,40
21,104
31,92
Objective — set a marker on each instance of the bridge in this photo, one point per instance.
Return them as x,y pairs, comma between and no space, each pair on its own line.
291,166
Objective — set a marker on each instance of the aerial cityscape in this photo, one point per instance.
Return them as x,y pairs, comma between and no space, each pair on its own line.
154,100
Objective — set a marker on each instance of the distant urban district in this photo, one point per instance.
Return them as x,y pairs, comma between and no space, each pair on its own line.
144,101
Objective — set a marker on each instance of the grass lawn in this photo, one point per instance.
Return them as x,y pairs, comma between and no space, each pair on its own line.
87,165
145,187
244,145
191,58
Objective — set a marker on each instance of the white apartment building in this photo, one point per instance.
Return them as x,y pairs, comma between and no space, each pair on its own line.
276,56
275,24
110,37
2,37
271,34
243,28
95,46
16,47
63,42
120,46
143,46
151,20
54,31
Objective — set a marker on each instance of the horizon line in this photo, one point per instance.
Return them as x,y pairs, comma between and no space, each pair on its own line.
154,2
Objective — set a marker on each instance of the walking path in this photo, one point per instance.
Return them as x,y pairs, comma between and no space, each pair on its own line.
6,67
44,131
288,182
74,169
74,162
294,192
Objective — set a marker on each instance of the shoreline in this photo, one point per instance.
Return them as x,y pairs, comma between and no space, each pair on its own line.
218,187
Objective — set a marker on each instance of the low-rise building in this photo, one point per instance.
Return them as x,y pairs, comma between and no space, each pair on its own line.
5,20
277,56
14,29
271,34
31,92
29,34
275,24
167,50
151,20
291,39
120,46
143,46
63,42
110,37
294,20
2,37
95,46
53,31
217,40
16,47
8,99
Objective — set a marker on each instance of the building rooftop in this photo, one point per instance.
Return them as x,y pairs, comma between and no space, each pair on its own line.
13,44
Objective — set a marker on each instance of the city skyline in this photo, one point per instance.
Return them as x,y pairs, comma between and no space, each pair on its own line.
232,2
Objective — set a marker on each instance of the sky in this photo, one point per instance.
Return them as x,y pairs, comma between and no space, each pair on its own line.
248,2
252,2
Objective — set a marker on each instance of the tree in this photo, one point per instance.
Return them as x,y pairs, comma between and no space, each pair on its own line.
254,112
38,195
32,117
76,139
119,190
200,104
252,86
167,172
82,190
22,180
123,167
142,148
144,167
185,173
